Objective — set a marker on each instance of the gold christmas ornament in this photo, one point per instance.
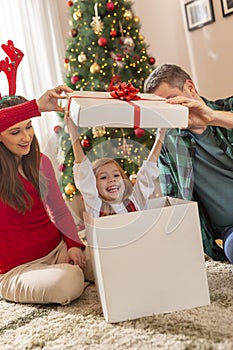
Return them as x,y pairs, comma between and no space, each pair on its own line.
133,178
128,45
96,24
70,189
77,15
136,19
82,57
94,68
140,37
98,131
128,15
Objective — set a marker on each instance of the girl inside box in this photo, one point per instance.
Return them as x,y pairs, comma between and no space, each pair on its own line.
103,184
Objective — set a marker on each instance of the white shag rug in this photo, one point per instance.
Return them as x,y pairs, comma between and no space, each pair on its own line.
81,325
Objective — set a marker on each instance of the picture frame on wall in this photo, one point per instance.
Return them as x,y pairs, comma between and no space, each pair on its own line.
199,13
227,7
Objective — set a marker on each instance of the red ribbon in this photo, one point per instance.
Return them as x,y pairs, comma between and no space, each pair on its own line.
125,92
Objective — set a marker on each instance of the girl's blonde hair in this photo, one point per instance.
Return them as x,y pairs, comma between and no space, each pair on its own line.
96,165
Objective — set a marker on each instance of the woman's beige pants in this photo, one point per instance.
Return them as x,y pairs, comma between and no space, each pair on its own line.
43,281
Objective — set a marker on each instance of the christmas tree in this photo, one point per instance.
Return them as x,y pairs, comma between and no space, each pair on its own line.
105,47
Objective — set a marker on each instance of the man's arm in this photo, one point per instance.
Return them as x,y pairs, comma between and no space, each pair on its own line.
201,115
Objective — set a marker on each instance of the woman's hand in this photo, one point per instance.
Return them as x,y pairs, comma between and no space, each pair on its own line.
75,256
49,100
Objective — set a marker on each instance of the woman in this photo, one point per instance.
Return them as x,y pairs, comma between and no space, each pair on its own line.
42,258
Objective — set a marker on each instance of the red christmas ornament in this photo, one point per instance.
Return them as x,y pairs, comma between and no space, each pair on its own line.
139,132
151,60
74,79
113,33
73,33
57,129
69,3
66,60
85,142
61,167
110,6
137,58
102,41
118,57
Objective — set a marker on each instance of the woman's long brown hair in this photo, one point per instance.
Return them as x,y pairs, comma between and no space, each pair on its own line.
12,191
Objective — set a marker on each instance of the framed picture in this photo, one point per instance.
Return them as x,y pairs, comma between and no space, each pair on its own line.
227,7
199,13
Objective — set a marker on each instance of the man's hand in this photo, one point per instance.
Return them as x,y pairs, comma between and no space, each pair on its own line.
49,100
75,256
199,113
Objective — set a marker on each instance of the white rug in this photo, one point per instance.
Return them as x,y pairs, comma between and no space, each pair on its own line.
81,326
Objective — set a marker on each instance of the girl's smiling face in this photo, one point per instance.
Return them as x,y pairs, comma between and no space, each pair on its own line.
18,138
109,183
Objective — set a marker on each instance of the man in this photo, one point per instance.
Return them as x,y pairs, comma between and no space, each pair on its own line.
197,163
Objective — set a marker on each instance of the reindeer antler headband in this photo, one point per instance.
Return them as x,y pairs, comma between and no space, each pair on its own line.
10,67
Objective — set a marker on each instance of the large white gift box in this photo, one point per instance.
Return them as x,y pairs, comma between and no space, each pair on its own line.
93,109
148,262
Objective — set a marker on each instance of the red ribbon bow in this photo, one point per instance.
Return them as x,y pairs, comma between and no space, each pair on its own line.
125,91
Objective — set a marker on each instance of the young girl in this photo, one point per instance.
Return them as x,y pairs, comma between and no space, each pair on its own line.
42,258
105,187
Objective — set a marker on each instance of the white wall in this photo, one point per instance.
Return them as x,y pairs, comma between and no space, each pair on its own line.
212,54
206,53
163,29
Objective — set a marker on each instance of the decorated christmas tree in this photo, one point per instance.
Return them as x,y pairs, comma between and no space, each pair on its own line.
105,47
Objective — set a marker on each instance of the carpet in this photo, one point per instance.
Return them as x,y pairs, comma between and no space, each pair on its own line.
81,325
